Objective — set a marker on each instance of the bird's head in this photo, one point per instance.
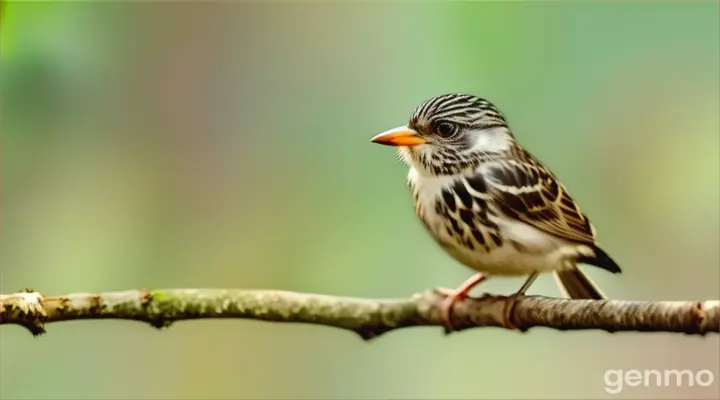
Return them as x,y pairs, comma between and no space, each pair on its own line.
450,133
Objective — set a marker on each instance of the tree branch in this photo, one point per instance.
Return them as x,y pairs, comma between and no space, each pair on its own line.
368,318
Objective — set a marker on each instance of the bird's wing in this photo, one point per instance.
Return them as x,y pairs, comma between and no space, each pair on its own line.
526,191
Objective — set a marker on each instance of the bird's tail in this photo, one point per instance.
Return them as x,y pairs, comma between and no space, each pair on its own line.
578,286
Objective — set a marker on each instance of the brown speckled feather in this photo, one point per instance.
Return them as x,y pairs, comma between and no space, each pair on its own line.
527,191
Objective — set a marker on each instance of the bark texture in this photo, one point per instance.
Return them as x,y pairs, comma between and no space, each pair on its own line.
368,318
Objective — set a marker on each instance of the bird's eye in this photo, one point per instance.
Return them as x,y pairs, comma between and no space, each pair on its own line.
445,129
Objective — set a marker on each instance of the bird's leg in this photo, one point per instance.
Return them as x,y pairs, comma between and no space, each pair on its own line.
513,298
453,296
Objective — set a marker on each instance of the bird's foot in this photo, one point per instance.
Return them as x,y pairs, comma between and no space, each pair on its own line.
509,310
511,300
453,296
446,309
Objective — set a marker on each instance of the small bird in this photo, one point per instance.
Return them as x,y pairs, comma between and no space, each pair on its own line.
491,204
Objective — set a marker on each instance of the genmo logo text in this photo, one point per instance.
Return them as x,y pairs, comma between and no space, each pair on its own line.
617,379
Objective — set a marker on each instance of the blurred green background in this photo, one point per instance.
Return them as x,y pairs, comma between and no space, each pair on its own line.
156,145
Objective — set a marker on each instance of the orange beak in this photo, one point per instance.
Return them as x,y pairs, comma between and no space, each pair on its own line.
401,136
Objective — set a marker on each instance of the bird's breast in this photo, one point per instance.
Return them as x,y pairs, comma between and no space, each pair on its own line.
466,223
427,191
457,219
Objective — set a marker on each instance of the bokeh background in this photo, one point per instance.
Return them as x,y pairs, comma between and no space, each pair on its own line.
151,145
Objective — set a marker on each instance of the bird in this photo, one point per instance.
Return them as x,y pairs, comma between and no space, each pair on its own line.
489,203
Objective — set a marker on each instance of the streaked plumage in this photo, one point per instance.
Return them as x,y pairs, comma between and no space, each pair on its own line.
489,202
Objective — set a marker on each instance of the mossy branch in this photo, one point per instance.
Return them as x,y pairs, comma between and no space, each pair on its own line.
367,317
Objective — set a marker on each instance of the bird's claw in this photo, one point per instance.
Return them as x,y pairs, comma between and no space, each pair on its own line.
447,311
510,302
451,297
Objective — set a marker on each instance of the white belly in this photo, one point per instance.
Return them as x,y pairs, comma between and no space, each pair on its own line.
533,251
